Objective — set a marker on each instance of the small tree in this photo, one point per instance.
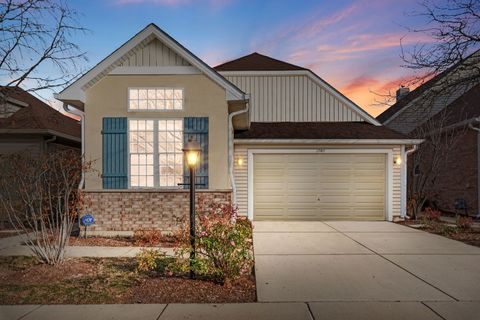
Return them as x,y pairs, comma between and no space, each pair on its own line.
453,59
41,197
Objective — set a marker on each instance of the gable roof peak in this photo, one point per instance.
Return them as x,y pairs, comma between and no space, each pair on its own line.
257,62
76,91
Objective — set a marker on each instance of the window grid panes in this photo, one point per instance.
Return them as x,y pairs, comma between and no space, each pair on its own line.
155,99
141,140
156,156
170,154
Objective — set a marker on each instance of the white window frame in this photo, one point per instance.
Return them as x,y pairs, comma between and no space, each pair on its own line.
156,110
156,165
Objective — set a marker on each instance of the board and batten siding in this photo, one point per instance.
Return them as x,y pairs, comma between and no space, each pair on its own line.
154,54
296,98
241,175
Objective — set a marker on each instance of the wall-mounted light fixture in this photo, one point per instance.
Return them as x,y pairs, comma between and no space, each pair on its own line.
397,160
240,161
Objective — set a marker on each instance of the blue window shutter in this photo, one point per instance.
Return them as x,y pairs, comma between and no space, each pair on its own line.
114,153
197,128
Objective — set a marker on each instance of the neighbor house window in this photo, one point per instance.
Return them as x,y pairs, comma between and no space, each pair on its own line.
155,99
156,157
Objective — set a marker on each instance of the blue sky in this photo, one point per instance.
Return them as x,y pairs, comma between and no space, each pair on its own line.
354,45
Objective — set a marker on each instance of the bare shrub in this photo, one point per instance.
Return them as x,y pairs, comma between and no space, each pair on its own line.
41,197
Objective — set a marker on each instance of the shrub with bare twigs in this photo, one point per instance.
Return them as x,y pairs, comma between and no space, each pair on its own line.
41,197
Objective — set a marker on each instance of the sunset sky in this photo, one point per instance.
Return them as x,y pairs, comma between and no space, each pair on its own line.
354,45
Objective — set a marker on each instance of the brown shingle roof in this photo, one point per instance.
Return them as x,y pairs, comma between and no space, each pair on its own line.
257,62
38,115
317,130
464,108
402,103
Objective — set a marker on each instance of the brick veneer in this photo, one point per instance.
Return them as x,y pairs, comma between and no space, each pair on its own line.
130,210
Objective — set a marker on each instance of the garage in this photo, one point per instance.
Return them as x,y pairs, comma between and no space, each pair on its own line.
319,186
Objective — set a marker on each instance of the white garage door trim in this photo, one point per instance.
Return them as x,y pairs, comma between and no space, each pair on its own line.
389,170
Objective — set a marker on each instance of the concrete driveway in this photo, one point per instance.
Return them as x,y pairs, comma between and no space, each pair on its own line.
330,264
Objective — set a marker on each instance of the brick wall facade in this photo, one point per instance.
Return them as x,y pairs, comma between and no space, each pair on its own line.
458,176
126,211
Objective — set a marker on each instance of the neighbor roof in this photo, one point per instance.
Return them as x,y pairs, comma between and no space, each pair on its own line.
405,101
463,108
37,116
317,130
257,62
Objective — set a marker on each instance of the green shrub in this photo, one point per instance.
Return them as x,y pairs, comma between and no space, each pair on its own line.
223,244
149,260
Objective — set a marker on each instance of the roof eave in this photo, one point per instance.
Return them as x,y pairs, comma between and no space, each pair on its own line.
330,141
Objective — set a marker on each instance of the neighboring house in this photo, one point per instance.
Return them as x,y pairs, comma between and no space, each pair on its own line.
27,124
449,114
276,139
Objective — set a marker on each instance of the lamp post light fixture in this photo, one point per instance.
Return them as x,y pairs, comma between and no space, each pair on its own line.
191,150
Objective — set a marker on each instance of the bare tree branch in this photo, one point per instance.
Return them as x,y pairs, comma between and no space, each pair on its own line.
38,50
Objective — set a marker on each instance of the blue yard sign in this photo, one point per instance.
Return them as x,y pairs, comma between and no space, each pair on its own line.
87,220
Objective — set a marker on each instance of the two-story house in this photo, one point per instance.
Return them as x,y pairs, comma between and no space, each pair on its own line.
276,140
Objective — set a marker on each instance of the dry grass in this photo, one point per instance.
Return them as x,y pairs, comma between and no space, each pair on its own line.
107,280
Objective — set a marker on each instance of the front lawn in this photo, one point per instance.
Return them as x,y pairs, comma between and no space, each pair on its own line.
109,280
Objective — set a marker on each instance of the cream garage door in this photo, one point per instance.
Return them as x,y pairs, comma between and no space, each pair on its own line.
320,186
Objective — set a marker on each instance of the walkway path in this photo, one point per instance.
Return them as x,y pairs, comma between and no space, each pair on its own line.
12,246
249,311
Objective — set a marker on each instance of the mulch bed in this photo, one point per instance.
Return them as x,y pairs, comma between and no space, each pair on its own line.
95,241
468,236
108,280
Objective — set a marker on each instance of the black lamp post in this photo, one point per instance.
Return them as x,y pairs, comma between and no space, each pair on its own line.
191,150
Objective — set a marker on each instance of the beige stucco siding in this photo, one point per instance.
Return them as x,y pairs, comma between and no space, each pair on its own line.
291,98
241,171
202,98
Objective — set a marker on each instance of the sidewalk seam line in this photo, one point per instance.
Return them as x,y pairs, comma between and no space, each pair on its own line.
163,310
30,312
310,311
431,309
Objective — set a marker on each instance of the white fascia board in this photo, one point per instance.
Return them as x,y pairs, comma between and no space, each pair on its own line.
330,141
72,92
164,70
315,78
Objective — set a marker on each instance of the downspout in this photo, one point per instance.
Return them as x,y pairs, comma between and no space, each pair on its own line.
231,150
403,214
80,114
53,138
478,161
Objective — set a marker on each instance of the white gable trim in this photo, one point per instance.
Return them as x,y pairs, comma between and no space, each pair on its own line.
316,79
75,91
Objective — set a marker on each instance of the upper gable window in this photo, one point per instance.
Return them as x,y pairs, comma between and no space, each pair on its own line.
155,99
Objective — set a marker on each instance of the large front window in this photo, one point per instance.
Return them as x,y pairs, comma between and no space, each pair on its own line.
156,157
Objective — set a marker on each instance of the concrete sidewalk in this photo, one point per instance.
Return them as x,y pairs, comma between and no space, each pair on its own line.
12,246
86,251
247,311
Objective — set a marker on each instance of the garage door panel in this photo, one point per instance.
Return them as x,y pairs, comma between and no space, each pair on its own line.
319,186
